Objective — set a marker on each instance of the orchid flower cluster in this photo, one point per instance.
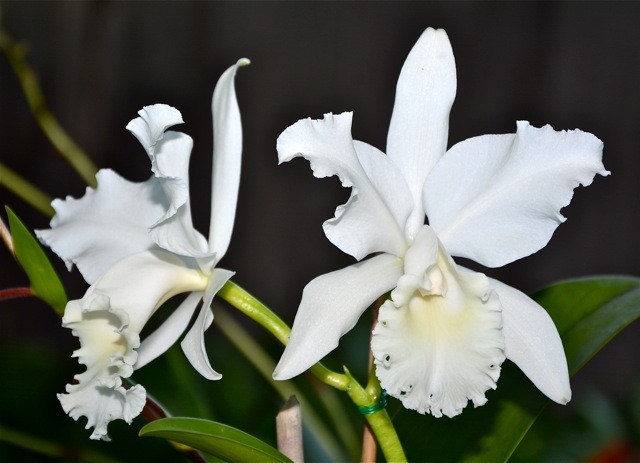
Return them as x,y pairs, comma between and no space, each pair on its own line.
443,332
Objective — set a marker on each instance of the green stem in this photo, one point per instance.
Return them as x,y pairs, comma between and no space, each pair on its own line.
261,360
378,420
25,190
45,118
260,313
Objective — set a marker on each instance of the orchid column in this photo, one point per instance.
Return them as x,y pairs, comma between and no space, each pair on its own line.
135,244
441,338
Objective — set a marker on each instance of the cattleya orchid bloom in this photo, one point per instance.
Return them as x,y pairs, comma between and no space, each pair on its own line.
135,244
442,337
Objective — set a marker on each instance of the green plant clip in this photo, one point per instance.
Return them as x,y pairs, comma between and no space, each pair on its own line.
381,405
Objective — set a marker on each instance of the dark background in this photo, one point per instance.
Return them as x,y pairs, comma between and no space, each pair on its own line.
571,65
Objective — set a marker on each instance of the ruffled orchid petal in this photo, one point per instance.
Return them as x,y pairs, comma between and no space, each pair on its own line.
108,321
193,343
388,180
330,307
141,283
107,350
169,153
168,333
419,126
174,231
438,343
364,224
149,128
136,244
105,225
227,150
532,342
508,205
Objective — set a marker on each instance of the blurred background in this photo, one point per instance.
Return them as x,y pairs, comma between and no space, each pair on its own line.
568,64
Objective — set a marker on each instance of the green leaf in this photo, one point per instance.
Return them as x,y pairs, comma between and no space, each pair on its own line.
219,440
45,283
588,313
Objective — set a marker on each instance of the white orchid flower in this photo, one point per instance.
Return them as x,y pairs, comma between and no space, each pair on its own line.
135,244
440,340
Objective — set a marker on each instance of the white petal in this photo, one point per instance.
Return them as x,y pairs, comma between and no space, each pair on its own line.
331,305
532,342
107,348
420,123
387,179
169,153
193,342
106,224
364,224
442,347
108,321
168,333
227,150
423,252
497,198
149,128
140,283
101,405
174,231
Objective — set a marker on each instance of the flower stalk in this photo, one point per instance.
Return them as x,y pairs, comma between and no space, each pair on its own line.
65,145
24,189
14,293
378,418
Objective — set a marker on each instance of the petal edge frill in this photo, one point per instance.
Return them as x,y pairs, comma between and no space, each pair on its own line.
532,342
439,344
151,124
330,307
105,225
108,351
108,321
364,224
508,205
169,153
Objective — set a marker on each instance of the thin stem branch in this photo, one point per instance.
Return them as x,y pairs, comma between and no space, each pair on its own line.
265,365
24,189
369,444
45,118
260,313
14,293
378,419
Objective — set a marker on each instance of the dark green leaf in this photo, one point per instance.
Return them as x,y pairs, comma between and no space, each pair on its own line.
588,313
217,439
45,283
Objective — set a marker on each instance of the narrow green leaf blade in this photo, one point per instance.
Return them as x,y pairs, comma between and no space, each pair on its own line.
588,312
45,283
217,439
